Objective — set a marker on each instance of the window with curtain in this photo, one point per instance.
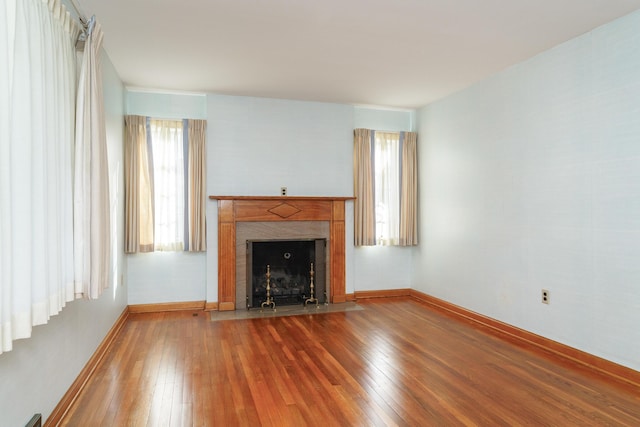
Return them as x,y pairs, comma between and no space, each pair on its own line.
164,185
385,185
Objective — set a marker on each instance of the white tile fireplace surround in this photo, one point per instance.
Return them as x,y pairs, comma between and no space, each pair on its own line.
242,218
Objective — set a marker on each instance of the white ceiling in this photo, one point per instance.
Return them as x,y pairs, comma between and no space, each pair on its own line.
393,53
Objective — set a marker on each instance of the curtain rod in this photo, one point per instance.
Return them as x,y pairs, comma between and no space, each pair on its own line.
81,16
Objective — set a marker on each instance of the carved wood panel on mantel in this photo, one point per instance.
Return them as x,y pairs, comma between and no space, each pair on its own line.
234,209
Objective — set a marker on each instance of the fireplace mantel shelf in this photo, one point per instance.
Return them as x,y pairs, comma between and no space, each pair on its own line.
310,198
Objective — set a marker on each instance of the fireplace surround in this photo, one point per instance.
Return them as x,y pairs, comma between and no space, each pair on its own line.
278,212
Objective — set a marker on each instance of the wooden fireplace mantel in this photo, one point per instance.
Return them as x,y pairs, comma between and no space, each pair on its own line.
234,209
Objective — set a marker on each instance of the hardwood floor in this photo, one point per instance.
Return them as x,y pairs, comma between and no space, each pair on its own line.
396,362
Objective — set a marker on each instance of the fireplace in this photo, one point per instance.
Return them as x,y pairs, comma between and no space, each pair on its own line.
264,231
294,271
242,218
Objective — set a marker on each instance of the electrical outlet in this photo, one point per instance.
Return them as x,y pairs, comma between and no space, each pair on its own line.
283,191
545,296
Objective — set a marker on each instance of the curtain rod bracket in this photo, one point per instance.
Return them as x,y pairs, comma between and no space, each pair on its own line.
86,32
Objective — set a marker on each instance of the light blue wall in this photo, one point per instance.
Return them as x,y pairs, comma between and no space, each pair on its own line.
531,180
258,145
160,277
166,105
254,147
392,120
39,370
382,267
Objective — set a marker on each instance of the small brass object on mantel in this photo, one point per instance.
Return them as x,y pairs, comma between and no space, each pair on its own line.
269,302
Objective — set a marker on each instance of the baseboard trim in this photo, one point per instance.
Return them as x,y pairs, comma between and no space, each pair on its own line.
167,306
350,297
226,306
387,293
211,306
602,366
76,387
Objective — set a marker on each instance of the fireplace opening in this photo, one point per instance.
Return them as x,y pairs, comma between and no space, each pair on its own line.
291,267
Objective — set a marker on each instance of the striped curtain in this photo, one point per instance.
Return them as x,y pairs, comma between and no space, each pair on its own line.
197,175
138,187
408,234
364,206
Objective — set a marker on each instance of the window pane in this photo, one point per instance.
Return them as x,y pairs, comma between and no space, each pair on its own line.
168,179
387,187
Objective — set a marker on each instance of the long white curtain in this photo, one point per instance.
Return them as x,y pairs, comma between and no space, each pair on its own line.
92,245
37,96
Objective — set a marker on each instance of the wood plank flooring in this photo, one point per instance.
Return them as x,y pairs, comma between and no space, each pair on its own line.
395,363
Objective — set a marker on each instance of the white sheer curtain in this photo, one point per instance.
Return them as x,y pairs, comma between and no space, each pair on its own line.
168,175
92,244
387,187
37,95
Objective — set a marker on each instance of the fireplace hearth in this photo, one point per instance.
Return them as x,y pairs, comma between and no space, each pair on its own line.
285,272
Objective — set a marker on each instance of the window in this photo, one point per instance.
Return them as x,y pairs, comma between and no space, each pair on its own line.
168,184
164,185
385,185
